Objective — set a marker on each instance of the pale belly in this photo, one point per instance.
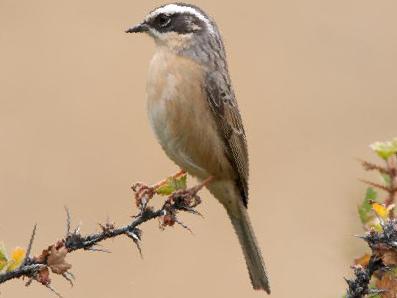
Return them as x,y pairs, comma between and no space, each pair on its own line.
181,119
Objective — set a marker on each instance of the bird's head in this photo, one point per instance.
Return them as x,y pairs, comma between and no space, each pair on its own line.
176,25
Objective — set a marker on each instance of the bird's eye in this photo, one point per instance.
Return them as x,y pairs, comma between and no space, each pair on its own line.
163,20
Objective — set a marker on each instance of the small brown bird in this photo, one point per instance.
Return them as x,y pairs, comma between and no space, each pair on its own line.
193,111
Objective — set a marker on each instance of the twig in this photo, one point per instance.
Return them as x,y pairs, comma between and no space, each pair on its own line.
389,171
384,243
53,258
368,166
359,287
392,168
377,185
383,246
25,270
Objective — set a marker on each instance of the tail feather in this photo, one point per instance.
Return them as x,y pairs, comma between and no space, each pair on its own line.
252,253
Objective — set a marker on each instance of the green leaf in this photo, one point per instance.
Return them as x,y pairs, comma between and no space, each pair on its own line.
364,210
181,182
385,149
172,185
3,257
386,179
165,189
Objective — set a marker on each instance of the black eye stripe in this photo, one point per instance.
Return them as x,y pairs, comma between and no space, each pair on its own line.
163,20
181,23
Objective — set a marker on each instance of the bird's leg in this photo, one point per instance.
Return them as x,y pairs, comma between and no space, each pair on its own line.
164,181
144,193
189,197
182,200
205,182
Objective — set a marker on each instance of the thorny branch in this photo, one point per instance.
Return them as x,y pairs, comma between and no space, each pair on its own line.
383,244
179,198
389,171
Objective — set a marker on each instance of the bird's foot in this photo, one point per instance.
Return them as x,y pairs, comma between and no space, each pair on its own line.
144,193
188,198
182,200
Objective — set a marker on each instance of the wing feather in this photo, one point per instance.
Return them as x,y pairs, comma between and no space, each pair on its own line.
223,104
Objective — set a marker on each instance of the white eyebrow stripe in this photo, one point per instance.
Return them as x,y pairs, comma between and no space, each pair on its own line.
174,8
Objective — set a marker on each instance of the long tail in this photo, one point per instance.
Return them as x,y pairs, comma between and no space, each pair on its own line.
252,253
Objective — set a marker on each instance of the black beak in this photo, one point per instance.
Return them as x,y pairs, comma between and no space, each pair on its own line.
138,28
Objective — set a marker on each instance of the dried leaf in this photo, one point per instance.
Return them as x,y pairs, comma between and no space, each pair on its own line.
42,258
17,257
387,254
168,220
44,276
388,282
363,260
56,260
389,257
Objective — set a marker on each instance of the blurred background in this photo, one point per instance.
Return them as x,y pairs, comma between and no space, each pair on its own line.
315,81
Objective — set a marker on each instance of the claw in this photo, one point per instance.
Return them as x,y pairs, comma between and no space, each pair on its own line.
144,193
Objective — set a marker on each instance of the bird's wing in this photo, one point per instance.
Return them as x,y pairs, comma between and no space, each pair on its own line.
223,104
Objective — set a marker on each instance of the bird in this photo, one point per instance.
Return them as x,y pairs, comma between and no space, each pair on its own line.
193,111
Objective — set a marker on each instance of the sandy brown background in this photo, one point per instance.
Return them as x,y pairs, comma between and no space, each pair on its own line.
316,83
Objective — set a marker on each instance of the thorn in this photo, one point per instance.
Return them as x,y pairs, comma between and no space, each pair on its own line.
77,229
29,282
135,234
68,221
53,290
69,277
192,211
376,291
138,246
136,237
376,185
29,249
183,225
144,203
360,236
93,249
132,235
368,166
